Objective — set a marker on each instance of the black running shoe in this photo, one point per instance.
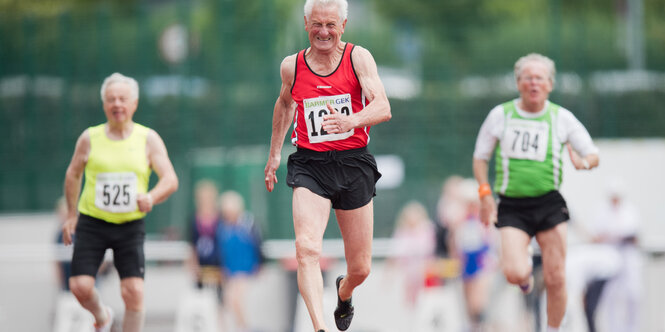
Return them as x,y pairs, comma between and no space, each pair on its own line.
344,310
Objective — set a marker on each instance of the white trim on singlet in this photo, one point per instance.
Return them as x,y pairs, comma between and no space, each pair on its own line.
556,148
363,101
505,160
294,139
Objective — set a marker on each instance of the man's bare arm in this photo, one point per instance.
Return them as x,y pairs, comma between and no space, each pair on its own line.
378,108
72,189
281,120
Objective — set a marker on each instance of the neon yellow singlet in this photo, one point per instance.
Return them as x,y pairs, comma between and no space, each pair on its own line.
115,173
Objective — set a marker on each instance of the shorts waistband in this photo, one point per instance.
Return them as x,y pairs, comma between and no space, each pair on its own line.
531,200
108,223
333,154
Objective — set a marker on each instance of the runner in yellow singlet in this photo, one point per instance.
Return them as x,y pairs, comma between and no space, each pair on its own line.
116,159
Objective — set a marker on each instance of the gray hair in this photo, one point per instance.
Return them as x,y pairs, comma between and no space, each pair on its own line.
342,7
535,57
120,78
231,202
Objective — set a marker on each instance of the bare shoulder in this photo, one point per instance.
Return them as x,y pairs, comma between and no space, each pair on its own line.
362,58
289,60
155,148
81,150
83,142
153,138
85,135
359,51
288,67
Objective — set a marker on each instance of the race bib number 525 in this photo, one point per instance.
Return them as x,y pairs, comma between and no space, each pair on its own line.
116,192
316,109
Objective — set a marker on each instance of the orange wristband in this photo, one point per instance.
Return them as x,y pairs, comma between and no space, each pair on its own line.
484,190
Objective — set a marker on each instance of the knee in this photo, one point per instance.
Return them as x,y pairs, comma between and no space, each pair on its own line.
307,251
359,272
82,288
516,274
555,280
132,294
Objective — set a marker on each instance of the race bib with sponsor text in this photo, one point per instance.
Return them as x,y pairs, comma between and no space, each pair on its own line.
316,109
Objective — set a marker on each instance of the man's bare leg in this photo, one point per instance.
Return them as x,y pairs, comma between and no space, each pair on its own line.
310,217
515,255
357,227
553,246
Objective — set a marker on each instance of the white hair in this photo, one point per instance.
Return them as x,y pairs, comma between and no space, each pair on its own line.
120,78
232,200
342,7
535,57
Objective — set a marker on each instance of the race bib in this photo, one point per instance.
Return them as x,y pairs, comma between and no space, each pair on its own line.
316,109
525,139
116,192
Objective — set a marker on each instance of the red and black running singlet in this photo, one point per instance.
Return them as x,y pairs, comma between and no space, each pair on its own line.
312,92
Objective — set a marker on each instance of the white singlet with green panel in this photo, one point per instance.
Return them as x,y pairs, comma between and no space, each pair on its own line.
528,158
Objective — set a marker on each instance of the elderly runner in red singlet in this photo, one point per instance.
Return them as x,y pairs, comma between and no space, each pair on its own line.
333,94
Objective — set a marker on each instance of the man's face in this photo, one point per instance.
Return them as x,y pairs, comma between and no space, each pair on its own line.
119,104
324,27
534,83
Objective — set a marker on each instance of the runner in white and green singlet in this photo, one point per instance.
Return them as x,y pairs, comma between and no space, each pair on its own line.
528,160
527,136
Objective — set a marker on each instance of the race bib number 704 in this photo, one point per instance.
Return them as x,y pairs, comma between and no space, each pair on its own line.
524,139
316,109
116,192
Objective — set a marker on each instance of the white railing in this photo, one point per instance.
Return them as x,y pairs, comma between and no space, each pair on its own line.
157,250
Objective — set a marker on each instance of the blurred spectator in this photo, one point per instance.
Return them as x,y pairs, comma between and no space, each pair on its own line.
447,208
204,261
414,243
607,270
470,242
588,267
617,224
239,241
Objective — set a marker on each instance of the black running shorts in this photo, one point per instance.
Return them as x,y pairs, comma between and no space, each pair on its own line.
93,236
347,178
533,214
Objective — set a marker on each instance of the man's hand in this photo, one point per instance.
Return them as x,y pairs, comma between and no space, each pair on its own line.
270,172
145,202
488,210
335,122
68,229
576,159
